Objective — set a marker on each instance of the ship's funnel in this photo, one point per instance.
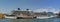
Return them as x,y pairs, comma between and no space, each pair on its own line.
18,8
27,9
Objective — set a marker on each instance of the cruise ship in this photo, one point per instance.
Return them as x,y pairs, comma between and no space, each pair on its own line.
21,14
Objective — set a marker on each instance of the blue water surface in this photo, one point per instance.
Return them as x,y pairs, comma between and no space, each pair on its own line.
31,20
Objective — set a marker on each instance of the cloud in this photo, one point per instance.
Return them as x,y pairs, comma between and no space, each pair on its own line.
47,10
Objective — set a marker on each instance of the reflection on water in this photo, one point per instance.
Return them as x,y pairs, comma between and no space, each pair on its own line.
31,20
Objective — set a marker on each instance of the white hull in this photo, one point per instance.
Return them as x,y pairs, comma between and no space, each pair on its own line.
9,17
46,17
42,17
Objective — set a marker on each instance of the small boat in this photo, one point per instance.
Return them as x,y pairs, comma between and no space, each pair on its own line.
10,17
42,17
45,17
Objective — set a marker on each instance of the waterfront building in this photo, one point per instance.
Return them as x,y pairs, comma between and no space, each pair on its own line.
2,15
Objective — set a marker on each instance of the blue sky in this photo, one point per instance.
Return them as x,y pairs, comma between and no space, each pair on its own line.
8,5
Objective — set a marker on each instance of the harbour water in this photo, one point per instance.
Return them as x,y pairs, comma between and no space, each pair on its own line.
31,20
